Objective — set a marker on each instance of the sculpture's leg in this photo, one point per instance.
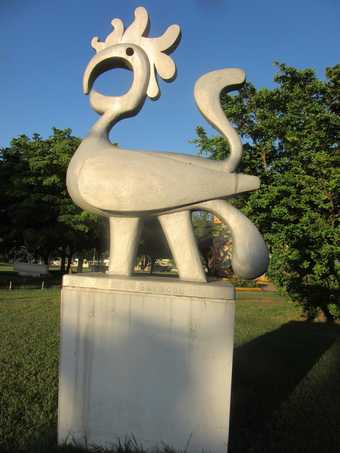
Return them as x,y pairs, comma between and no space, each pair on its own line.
124,238
250,255
180,236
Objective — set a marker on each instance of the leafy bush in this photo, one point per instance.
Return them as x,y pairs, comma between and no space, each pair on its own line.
290,134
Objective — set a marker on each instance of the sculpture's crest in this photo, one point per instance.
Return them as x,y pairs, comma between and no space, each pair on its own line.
155,48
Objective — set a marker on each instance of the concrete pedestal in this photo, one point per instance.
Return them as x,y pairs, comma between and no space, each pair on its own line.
148,357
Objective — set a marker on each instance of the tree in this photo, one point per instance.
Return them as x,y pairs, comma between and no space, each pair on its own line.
291,142
36,210
214,243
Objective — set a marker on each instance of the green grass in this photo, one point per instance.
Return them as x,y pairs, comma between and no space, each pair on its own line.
259,312
28,365
6,267
286,377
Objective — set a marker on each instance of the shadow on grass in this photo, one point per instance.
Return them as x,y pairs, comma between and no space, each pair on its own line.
266,371
309,420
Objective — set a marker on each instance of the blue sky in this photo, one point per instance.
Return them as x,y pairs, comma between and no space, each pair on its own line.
45,47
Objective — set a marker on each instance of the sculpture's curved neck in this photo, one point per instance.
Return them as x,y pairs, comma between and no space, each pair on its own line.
115,108
103,125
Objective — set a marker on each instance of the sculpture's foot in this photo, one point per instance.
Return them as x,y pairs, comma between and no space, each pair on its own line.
124,238
179,233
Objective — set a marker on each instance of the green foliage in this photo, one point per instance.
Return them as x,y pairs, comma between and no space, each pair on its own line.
334,310
291,141
36,210
214,242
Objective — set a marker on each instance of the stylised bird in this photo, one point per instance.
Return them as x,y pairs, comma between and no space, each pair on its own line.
128,185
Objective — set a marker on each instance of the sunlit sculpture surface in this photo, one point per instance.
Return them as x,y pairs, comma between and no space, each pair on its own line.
127,186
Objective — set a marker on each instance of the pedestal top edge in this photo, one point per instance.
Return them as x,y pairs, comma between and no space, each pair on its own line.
151,285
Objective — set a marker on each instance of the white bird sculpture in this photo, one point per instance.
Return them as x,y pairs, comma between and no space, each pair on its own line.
127,186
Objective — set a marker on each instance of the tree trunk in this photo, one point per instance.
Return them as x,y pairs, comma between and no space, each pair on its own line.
152,264
62,264
46,257
80,263
69,261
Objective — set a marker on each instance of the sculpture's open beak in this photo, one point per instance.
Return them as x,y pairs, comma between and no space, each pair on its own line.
128,56
107,59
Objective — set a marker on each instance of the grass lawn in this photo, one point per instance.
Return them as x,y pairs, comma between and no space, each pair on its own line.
6,267
286,377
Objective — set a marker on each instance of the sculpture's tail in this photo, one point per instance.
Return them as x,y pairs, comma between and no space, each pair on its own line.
250,255
207,96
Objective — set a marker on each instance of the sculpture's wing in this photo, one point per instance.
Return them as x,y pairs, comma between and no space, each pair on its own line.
124,181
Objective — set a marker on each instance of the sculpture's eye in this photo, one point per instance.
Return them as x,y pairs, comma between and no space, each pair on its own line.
129,51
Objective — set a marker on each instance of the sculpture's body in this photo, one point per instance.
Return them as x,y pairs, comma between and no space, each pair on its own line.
127,186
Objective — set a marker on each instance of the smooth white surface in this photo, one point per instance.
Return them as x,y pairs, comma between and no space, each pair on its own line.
154,366
124,184
145,284
185,253
124,240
